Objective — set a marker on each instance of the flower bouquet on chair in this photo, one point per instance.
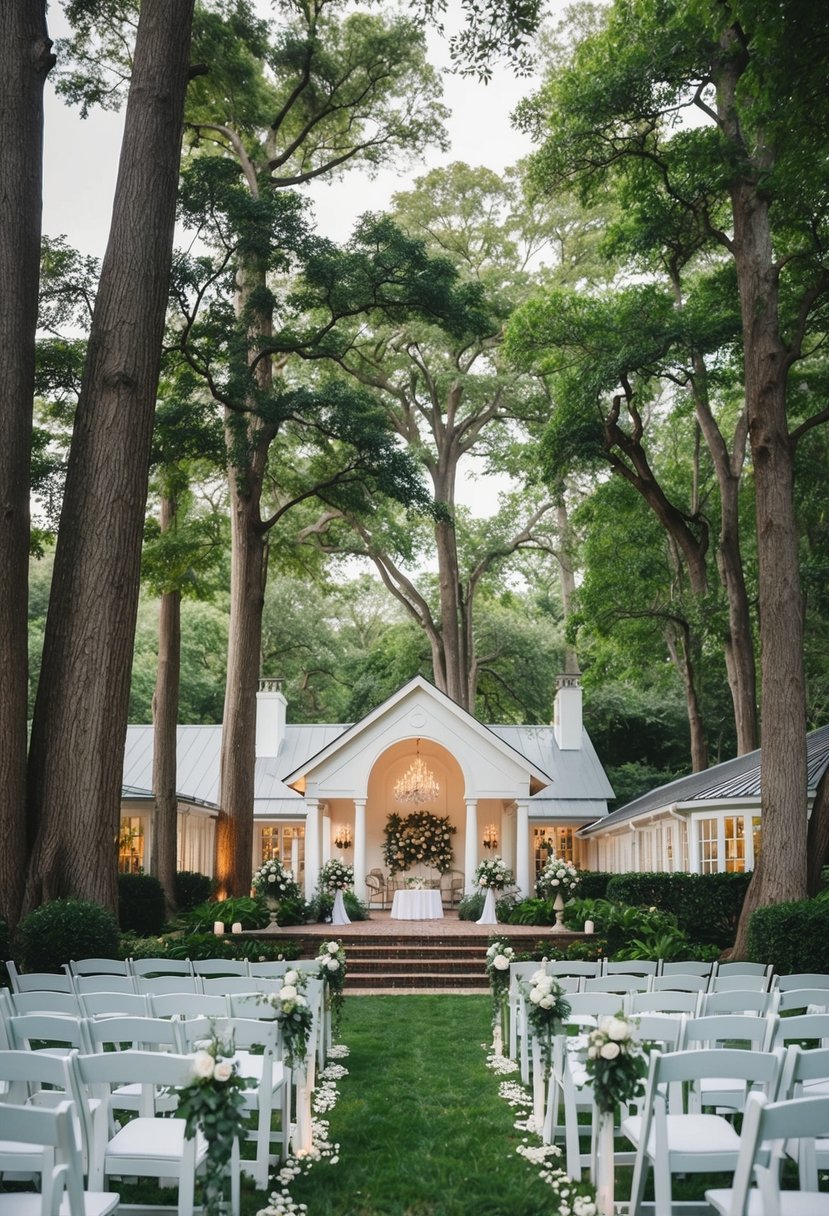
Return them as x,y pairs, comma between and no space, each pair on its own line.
492,875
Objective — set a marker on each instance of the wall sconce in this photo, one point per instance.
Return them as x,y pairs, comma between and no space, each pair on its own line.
490,836
342,836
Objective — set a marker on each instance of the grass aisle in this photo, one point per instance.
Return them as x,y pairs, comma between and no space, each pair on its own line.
421,1128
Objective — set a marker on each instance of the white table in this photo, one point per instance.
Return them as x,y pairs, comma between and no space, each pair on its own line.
417,905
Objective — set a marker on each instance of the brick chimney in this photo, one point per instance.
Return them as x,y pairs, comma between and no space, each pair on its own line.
567,715
270,717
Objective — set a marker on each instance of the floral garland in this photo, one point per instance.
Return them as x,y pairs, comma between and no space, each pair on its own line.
499,956
546,1010
558,877
213,1103
616,1063
295,1014
272,879
336,876
418,839
493,872
332,961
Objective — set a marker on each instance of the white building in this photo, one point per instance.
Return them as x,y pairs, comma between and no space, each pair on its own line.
706,823
315,785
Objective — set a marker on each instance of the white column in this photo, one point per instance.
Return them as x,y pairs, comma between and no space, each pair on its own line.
295,856
507,837
312,846
326,832
470,850
693,846
360,848
522,848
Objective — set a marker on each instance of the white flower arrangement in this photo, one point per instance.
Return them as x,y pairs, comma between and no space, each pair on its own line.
332,970
493,872
336,876
616,1062
273,880
294,1012
558,877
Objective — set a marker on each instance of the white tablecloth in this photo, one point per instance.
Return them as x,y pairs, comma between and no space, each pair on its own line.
488,915
417,905
339,916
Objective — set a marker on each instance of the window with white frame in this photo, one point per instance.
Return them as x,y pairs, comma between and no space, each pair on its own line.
735,844
708,850
285,842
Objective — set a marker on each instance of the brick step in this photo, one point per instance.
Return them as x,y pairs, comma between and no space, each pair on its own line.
405,952
449,980
416,966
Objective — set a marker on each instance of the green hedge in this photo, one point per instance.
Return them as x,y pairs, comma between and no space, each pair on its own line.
142,908
65,929
205,945
792,936
706,906
593,884
191,889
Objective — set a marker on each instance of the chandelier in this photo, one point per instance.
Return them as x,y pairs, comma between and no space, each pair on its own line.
418,783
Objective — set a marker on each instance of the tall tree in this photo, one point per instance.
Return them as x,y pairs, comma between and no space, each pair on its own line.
79,725
25,60
752,74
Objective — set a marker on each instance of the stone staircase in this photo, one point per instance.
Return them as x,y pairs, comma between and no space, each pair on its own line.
389,963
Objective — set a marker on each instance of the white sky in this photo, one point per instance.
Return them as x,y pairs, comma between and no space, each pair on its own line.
81,163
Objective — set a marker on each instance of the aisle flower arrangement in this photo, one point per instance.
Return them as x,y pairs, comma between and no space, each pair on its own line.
213,1104
546,1010
499,956
332,963
293,1011
336,876
617,1063
493,872
273,881
418,839
558,878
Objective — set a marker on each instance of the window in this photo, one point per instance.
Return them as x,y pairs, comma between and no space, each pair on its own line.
549,839
708,853
284,842
131,845
757,838
735,844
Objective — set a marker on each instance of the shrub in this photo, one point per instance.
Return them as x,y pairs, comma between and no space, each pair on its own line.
471,906
66,929
707,906
533,912
142,908
630,932
792,936
594,884
191,889
322,905
249,911
205,945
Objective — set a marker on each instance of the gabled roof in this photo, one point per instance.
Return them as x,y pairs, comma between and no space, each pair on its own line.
733,780
538,777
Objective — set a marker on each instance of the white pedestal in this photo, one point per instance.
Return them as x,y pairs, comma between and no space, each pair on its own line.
488,916
339,916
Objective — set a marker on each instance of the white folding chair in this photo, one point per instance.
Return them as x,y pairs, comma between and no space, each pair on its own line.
152,985
269,969
740,982
114,1004
760,1004
802,1029
676,981
104,983
65,1003
633,966
34,1078
57,1033
676,1139
516,1014
234,985
664,1002
148,1146
803,979
732,1030
620,982
582,967
49,1133
258,1056
38,981
745,968
160,966
808,999
768,1128
688,966
220,966
188,1005
98,966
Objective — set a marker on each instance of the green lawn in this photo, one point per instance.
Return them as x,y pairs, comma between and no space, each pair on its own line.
421,1128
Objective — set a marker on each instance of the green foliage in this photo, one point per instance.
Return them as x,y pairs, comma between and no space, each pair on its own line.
322,905
192,889
250,911
63,930
533,912
594,884
706,906
419,838
471,906
629,932
205,945
793,937
141,904
4,951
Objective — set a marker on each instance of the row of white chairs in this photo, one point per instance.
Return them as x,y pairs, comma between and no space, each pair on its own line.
717,1079
123,974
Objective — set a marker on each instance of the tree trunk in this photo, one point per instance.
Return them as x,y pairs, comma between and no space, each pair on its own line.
817,849
79,727
25,59
678,641
567,582
164,854
781,873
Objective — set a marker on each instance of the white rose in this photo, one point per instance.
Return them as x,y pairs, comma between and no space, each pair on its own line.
271,878
287,993
554,882
501,962
203,1065
290,977
332,965
538,976
592,1053
617,1030
332,947
300,999
223,1070
547,1002
609,1051
535,996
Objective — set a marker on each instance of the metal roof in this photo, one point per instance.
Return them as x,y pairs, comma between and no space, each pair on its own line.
737,779
579,791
